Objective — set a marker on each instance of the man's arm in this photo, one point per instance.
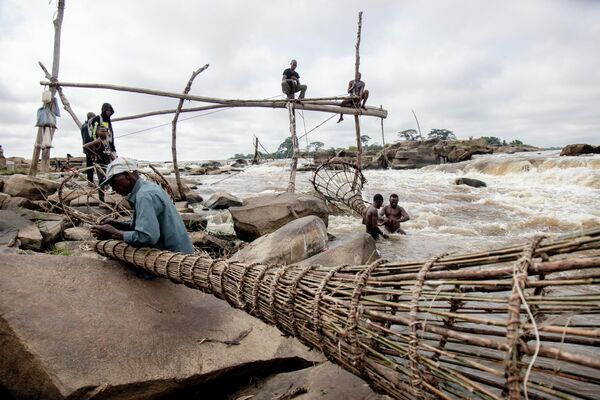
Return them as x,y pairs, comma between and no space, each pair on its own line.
403,215
147,228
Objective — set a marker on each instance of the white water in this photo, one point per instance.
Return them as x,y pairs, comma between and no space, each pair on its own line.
526,194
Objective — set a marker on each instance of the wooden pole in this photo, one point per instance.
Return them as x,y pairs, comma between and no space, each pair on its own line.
55,66
292,114
255,159
385,160
356,72
356,119
63,98
418,126
304,105
174,131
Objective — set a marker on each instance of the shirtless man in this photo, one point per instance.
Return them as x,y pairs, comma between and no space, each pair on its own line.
370,219
393,215
355,90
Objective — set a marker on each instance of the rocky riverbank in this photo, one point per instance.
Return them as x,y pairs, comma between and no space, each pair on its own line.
76,325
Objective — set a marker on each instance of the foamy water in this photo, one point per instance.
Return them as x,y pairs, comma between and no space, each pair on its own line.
526,194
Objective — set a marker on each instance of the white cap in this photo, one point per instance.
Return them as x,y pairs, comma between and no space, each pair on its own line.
119,165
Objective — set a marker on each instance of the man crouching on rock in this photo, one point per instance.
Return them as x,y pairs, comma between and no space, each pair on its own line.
371,217
156,221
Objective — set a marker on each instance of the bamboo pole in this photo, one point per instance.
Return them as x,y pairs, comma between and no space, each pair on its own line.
418,126
55,67
292,114
305,104
187,89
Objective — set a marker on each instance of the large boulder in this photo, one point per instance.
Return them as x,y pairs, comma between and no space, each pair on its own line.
31,187
289,244
579,149
324,381
222,200
357,249
73,327
266,213
29,235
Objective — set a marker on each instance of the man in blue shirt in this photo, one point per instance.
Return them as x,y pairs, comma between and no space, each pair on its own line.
155,223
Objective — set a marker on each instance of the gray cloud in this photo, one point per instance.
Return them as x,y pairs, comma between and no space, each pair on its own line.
526,70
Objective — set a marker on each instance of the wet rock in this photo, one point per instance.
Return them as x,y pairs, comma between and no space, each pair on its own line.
222,200
194,222
358,249
324,381
239,163
29,235
289,244
78,233
579,149
266,213
74,327
470,182
33,188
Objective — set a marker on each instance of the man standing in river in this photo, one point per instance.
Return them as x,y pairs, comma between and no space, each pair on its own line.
371,218
393,215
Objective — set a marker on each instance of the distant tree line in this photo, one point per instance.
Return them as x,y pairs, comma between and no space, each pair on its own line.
445,134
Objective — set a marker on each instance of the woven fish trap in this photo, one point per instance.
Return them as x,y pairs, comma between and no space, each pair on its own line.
75,185
341,183
515,322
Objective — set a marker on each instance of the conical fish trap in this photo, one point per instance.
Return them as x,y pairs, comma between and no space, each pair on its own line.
521,321
340,182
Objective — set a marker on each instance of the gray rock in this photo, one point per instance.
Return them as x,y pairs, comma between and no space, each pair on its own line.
33,188
289,244
74,327
29,235
16,202
266,213
222,200
3,197
358,249
324,381
470,182
579,149
79,248
78,233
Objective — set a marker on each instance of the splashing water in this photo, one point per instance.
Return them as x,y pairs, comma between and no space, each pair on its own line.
526,194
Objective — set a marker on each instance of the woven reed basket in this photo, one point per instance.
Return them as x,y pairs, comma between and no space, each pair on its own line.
521,321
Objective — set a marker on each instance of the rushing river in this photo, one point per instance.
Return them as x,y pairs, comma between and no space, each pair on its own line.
526,194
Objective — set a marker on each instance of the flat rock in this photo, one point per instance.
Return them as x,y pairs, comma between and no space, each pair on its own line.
28,233
324,381
73,327
222,200
289,244
266,213
358,249
78,233
33,188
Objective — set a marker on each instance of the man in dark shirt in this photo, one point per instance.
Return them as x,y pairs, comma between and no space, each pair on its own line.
290,82
86,137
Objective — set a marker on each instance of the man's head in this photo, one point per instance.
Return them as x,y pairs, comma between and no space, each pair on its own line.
107,110
293,64
359,76
90,115
394,200
102,132
122,175
377,200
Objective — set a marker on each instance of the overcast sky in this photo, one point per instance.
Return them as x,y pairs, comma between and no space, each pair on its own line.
527,70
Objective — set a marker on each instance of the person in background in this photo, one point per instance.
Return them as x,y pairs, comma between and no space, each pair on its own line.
355,90
371,218
156,222
101,154
290,82
86,137
393,215
104,120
